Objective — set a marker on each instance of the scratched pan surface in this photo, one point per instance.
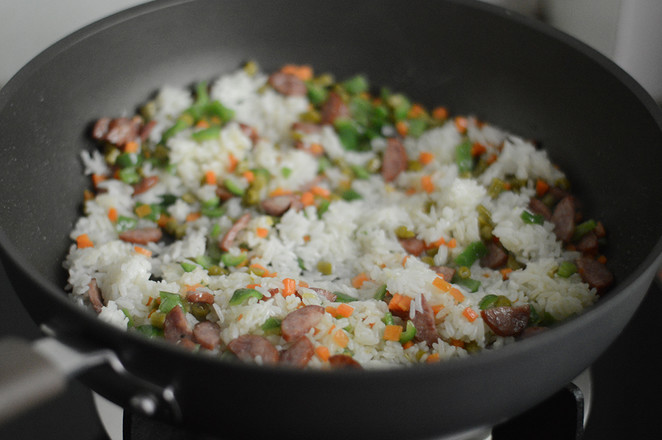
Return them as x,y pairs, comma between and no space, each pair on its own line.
596,122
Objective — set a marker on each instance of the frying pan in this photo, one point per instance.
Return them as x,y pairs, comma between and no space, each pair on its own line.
597,123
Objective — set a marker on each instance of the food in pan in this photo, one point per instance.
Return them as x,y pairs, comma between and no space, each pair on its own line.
295,219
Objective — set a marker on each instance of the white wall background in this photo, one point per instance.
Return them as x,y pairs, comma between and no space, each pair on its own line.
627,31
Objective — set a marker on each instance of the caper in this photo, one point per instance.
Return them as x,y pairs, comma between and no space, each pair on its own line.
404,232
325,267
464,272
200,310
157,319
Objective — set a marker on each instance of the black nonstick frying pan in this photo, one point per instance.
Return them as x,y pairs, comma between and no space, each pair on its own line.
600,126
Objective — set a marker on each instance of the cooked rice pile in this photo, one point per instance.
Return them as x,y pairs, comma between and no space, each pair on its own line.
345,235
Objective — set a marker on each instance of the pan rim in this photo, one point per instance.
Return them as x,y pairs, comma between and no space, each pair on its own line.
616,294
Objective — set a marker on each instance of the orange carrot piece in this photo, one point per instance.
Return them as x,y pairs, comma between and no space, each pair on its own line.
262,232
112,215
323,353
303,72
202,123
541,187
307,198
253,285
470,314
345,310
249,176
320,191
425,157
407,344
193,216
440,113
477,149
210,177
358,280
340,338
461,123
316,149
392,332
452,243
279,192
141,250
233,163
131,147
303,283
289,287
402,128
399,303
415,111
442,284
505,272
427,184
333,311
437,308
455,293
434,357
83,241
97,179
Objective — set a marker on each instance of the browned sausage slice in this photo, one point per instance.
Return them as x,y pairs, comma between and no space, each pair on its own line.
333,108
507,321
426,330
141,236
324,293
123,130
496,256
412,245
200,296
228,239
306,127
287,84
594,273
538,207
279,205
175,326
298,354
100,128
145,184
563,218
94,293
207,334
299,322
343,361
249,347
447,273
394,161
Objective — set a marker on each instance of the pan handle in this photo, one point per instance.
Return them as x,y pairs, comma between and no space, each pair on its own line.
34,372
27,378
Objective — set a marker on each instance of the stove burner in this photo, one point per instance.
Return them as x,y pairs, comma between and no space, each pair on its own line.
560,417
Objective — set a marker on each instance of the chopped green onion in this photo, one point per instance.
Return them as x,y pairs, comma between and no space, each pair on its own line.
188,266
230,260
206,134
409,333
242,295
129,175
463,158
271,326
125,223
566,269
343,297
233,187
473,252
360,172
532,219
169,301
286,172
150,331
380,293
350,195
126,160
487,301
469,283
388,318
355,85
317,93
348,133
583,229
215,108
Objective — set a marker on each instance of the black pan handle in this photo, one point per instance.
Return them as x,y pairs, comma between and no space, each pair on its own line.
34,372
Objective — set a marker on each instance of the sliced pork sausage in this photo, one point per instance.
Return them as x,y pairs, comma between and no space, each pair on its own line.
207,334
496,256
298,354
141,235
279,205
287,84
228,239
413,246
175,326
333,108
426,329
343,361
145,184
250,347
394,161
299,322
95,296
200,296
563,218
506,320
594,273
